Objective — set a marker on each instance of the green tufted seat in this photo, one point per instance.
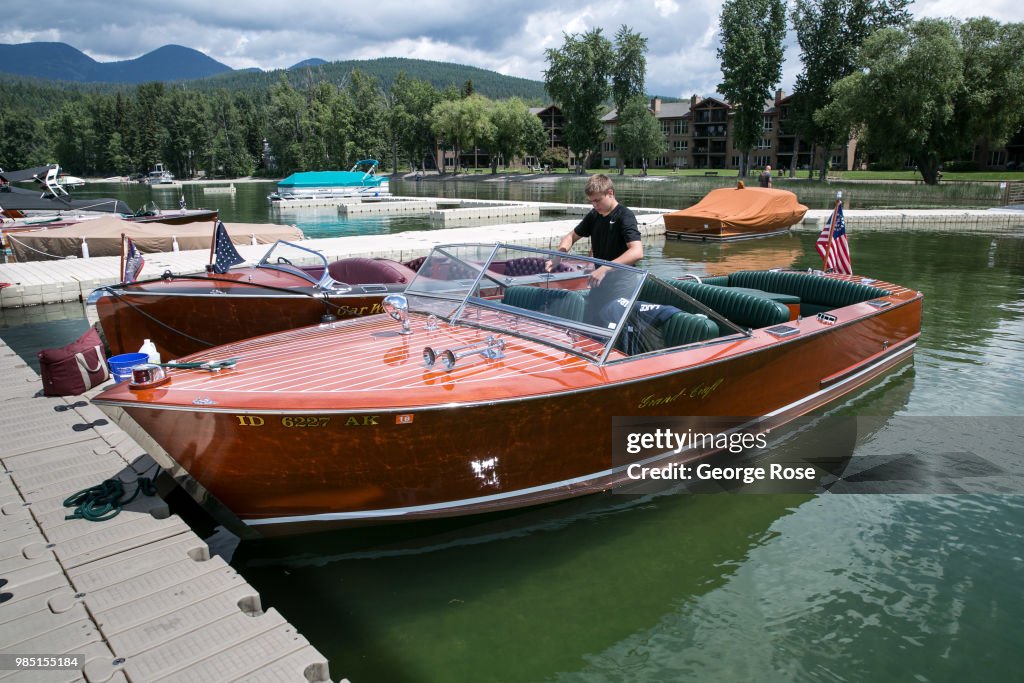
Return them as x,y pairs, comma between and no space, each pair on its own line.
817,293
562,303
720,280
680,329
746,310
687,328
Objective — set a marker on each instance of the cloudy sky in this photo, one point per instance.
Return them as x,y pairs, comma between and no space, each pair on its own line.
508,37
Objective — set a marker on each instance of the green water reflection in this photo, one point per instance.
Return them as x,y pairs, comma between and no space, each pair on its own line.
700,587
765,587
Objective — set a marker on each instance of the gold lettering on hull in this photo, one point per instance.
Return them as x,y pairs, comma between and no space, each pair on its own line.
308,421
358,311
364,421
700,390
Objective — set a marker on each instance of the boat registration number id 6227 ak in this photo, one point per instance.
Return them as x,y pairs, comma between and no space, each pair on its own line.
303,421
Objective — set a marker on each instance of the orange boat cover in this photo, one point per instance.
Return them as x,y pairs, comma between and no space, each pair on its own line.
737,212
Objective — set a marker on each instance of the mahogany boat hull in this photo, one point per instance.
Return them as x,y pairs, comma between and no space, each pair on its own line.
187,314
183,323
404,442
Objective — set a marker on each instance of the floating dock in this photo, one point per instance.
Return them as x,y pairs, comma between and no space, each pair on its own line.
39,282
219,189
134,598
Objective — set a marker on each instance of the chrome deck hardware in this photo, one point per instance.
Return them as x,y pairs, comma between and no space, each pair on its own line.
489,348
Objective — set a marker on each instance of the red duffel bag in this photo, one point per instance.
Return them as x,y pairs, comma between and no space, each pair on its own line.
75,368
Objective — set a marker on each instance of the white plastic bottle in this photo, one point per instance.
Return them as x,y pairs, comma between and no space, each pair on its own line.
149,348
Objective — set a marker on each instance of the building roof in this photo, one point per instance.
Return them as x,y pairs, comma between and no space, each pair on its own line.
540,110
668,110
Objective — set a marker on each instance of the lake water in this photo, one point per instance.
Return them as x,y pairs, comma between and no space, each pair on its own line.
922,584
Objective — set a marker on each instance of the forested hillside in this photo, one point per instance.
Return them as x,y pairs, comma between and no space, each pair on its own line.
385,69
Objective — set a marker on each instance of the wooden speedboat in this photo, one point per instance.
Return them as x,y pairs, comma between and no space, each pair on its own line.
490,391
184,314
736,213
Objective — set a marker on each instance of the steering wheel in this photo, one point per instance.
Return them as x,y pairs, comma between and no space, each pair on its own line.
283,260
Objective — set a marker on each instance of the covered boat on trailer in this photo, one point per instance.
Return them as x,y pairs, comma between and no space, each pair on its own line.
489,391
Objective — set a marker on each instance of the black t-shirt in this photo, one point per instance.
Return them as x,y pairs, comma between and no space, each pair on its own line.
609,234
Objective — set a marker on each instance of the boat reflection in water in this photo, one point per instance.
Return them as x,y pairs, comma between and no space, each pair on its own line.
549,583
471,400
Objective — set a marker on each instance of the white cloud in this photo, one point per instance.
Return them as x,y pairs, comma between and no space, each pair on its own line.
507,37
666,7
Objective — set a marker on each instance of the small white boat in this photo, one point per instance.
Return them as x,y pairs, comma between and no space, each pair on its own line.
69,181
159,178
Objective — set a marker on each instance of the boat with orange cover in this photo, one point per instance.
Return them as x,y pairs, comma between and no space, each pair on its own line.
736,213
479,391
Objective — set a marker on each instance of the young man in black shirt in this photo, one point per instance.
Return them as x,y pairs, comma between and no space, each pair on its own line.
614,236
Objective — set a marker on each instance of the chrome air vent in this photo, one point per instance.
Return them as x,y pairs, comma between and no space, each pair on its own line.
781,331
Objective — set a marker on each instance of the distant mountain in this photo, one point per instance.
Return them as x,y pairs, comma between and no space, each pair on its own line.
386,69
59,61
315,61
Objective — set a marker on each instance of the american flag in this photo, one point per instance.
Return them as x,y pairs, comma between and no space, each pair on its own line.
133,261
835,256
224,253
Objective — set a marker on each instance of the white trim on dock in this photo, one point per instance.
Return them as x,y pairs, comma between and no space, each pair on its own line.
41,282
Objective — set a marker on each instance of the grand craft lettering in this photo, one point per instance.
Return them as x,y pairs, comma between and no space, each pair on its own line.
698,391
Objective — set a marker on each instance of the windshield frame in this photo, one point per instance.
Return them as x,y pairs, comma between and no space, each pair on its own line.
467,300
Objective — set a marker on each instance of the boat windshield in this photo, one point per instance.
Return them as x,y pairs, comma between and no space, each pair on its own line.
292,258
554,298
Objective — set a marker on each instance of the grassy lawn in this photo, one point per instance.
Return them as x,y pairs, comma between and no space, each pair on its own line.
973,176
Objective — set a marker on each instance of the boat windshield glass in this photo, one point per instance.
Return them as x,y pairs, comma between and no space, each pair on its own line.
596,309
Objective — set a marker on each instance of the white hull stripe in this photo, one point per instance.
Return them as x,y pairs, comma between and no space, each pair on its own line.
467,502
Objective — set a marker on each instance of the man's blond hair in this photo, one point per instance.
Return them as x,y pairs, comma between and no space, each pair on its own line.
598,185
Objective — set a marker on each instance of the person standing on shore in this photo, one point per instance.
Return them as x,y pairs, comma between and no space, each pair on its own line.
765,179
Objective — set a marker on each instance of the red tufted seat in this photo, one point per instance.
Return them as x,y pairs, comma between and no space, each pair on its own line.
365,271
529,265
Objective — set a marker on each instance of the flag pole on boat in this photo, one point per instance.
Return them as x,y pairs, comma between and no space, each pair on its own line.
832,230
213,245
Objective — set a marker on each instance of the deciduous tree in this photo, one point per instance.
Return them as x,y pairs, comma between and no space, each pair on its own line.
751,54
411,103
830,34
638,135
516,131
577,78
905,96
927,93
